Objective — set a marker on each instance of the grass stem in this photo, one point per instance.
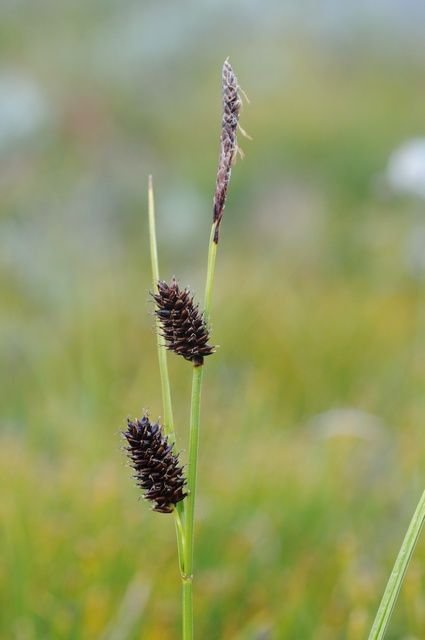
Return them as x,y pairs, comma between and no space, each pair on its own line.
212,253
163,371
162,353
187,608
195,408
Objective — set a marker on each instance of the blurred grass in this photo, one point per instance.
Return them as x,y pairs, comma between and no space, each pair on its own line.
314,310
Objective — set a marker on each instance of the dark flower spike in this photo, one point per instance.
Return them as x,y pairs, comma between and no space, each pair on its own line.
228,141
182,325
157,469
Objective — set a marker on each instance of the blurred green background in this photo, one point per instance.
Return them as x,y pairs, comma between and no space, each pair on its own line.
312,447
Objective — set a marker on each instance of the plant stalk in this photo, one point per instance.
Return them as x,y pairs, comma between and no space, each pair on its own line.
212,253
162,353
392,589
195,408
163,371
187,608
195,411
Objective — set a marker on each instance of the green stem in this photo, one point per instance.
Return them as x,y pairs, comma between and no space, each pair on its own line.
163,370
195,408
179,515
162,353
187,605
396,578
212,253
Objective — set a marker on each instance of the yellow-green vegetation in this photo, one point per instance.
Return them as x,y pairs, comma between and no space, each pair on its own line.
312,447
294,531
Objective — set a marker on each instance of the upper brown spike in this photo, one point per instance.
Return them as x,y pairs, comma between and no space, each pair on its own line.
228,141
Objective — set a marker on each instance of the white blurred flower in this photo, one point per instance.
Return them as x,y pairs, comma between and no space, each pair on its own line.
405,172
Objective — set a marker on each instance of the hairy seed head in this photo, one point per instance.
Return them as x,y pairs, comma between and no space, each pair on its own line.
228,141
156,467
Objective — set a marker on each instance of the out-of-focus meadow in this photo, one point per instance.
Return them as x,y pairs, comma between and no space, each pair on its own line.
312,446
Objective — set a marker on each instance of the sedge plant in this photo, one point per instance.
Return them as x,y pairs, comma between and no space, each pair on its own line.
183,329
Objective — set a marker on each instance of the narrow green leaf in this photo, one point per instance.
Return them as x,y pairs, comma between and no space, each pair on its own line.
392,590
